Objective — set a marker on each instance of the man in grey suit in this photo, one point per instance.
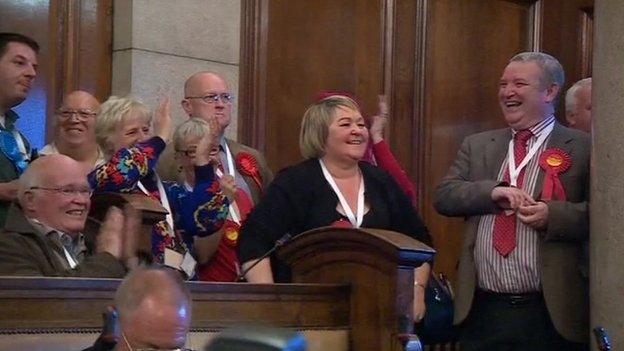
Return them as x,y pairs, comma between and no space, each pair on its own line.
524,192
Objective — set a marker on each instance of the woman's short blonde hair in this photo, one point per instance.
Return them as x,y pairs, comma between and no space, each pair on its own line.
191,128
112,112
316,121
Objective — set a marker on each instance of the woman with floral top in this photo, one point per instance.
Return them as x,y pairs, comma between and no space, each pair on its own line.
123,132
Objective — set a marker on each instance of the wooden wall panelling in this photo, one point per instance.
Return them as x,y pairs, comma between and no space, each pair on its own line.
308,47
405,24
567,35
85,36
468,43
252,75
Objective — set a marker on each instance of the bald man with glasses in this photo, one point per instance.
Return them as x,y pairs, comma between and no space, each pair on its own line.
75,130
207,96
44,236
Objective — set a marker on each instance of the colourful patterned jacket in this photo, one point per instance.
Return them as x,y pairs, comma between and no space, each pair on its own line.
200,211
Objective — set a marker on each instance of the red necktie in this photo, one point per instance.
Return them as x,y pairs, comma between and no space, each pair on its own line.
504,233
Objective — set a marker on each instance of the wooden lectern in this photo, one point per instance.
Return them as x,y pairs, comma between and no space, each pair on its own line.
377,264
352,290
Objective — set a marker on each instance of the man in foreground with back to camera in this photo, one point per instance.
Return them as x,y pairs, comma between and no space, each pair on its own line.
153,307
43,233
524,192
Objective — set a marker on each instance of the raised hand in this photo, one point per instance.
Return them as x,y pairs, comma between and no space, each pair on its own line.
162,119
110,237
228,185
131,233
379,121
207,151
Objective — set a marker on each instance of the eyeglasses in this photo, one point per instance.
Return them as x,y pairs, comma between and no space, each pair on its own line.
66,191
190,152
123,335
225,98
82,115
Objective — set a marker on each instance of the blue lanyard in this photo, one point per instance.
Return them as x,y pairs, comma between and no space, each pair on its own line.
10,148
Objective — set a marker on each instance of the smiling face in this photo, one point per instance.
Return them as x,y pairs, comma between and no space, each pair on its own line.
18,69
347,136
134,127
76,119
61,211
523,99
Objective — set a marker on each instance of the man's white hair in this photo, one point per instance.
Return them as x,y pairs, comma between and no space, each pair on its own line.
570,98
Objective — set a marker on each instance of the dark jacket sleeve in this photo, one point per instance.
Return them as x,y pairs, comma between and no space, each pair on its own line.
403,216
22,256
273,217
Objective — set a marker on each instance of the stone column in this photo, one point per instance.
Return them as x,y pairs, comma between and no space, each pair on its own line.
607,173
157,44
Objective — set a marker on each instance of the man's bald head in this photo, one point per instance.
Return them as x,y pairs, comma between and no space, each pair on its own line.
195,82
207,84
81,98
154,308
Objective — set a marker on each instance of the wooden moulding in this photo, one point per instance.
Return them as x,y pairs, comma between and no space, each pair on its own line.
55,304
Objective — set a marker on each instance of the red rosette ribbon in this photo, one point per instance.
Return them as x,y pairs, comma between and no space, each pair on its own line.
554,161
247,165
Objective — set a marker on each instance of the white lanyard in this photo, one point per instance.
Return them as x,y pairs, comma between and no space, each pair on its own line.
70,259
20,145
230,160
230,170
164,201
514,172
356,220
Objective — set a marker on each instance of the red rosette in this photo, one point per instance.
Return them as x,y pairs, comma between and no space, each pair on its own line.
554,161
247,165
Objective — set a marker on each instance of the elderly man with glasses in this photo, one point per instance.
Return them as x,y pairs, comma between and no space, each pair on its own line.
43,234
75,131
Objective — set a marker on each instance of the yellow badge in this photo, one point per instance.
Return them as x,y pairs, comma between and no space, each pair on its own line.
231,234
554,160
